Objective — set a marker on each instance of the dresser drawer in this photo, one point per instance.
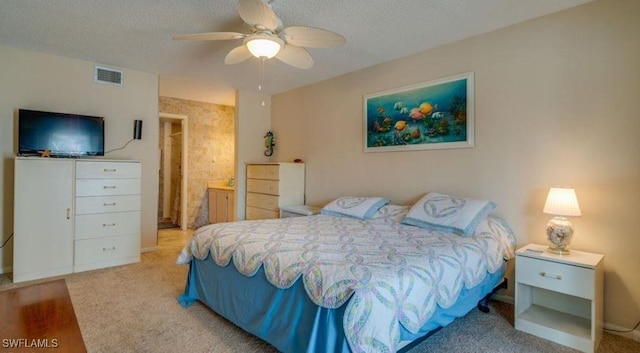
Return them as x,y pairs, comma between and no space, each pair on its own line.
102,204
263,171
263,186
107,224
89,170
103,187
260,213
107,249
554,276
269,202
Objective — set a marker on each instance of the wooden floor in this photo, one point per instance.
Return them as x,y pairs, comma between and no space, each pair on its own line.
39,318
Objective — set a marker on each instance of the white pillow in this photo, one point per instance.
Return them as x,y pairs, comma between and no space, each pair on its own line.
356,207
448,213
390,213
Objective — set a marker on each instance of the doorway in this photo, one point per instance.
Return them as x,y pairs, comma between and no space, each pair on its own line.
172,200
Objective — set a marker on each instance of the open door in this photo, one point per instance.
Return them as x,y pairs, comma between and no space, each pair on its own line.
172,208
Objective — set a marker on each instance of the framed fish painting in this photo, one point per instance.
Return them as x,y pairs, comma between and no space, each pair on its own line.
436,114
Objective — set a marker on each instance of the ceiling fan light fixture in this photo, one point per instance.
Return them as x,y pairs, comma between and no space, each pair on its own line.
264,46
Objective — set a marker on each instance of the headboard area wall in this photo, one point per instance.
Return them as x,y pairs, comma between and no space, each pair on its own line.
555,104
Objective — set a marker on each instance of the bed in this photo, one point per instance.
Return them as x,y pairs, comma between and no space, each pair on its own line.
335,283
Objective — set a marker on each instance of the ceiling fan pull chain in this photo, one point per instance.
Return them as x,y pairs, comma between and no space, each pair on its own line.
262,83
261,72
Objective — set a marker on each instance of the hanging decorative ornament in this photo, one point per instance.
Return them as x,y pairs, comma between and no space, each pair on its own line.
269,142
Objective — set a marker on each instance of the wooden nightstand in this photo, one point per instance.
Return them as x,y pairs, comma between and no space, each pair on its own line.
559,297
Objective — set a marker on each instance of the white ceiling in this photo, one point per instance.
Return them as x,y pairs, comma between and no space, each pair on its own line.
137,34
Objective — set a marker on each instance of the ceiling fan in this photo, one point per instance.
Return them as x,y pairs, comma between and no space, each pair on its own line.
269,38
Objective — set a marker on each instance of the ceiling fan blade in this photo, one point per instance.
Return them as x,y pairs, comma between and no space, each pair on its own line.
258,14
295,56
237,55
211,36
311,37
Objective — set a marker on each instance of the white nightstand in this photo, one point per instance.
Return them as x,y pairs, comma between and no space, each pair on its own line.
559,297
298,211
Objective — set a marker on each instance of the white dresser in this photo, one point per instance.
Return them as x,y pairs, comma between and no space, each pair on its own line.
74,215
271,186
107,223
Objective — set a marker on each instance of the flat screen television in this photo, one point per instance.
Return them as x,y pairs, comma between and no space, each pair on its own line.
63,135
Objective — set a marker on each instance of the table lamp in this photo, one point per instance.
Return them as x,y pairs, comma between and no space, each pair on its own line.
561,202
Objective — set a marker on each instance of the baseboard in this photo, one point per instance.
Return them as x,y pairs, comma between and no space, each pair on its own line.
149,249
634,335
7,269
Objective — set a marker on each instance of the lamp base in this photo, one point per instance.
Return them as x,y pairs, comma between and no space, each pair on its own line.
559,234
558,251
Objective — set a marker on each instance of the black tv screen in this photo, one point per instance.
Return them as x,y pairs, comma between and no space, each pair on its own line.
63,135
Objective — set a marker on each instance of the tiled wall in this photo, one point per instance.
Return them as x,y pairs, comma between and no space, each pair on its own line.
210,150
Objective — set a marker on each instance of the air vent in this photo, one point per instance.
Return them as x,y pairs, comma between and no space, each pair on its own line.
110,76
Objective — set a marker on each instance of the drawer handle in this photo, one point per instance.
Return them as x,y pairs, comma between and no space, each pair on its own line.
109,187
109,224
111,248
113,170
109,204
545,274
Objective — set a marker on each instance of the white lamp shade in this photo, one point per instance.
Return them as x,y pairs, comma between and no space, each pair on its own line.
264,46
562,201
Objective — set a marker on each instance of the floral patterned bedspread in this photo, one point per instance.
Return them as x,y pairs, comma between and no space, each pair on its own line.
395,274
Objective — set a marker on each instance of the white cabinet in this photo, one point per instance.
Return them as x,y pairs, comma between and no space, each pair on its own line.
221,205
43,218
107,226
559,297
74,215
271,186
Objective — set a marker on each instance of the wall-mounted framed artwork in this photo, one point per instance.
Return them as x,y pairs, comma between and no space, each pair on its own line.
437,114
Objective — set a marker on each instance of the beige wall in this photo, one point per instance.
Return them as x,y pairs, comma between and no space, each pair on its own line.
253,120
52,83
211,150
555,104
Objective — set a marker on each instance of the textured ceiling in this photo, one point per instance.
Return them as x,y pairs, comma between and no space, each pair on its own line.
138,34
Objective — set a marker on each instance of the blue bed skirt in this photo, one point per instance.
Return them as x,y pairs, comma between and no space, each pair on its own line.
287,318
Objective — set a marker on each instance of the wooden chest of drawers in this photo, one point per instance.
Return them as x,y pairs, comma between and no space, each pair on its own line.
271,186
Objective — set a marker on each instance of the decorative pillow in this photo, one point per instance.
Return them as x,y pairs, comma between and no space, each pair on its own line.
390,213
356,207
448,213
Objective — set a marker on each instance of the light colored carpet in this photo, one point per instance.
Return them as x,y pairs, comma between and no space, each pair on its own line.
133,308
